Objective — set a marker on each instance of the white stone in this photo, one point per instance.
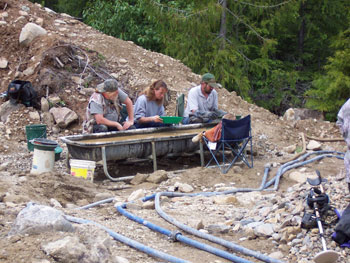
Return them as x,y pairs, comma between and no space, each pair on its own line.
313,145
4,14
29,32
3,62
136,195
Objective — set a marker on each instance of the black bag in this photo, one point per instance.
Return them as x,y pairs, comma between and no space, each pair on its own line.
20,91
308,221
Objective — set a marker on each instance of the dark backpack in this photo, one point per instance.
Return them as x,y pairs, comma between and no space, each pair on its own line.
20,91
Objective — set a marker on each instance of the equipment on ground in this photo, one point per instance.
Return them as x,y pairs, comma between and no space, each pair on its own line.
318,200
20,91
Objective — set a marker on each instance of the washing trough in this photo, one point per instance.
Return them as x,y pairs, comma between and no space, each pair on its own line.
137,143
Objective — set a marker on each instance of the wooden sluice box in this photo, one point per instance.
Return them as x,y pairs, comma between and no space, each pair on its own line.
138,143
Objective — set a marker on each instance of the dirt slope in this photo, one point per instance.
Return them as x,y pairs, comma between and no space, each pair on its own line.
88,57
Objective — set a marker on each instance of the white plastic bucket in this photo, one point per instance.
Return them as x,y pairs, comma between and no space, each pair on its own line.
43,161
82,168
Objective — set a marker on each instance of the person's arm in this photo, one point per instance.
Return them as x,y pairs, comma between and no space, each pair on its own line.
96,109
216,101
102,120
192,101
156,118
130,110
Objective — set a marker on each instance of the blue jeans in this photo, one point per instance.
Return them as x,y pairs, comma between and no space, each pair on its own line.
151,124
186,120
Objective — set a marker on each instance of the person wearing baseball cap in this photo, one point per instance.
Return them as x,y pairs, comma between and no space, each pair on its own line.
103,109
202,101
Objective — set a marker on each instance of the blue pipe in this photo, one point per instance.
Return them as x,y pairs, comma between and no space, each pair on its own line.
209,237
176,236
223,242
129,242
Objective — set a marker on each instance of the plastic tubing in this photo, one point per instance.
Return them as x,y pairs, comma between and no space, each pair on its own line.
129,242
299,162
108,200
198,233
209,237
263,186
176,236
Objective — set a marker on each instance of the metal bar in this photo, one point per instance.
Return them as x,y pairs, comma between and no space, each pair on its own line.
154,156
201,153
104,161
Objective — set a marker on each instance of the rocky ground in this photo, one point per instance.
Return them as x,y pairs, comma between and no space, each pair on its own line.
264,221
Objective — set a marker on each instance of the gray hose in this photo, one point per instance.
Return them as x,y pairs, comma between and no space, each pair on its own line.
299,162
109,200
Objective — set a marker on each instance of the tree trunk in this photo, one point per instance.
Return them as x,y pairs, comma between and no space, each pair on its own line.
223,28
301,36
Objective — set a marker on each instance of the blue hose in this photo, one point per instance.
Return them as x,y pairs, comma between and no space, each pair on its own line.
209,237
176,236
128,241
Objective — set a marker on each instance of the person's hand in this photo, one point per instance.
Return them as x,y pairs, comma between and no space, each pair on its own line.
127,124
157,119
118,126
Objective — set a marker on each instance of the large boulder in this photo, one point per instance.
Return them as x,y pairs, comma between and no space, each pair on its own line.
29,32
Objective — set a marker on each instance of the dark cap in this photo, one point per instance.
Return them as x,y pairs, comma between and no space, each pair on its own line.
210,79
109,85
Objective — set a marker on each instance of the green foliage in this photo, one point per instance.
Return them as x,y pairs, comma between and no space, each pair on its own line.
331,90
74,8
268,51
123,19
52,4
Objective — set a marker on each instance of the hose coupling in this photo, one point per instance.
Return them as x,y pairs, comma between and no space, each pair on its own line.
173,235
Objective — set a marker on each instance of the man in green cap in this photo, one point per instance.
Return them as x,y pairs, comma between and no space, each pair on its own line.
103,110
202,102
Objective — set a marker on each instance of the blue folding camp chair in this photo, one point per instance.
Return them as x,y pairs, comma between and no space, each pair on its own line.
235,139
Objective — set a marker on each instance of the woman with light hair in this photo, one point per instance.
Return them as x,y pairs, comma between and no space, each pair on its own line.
149,106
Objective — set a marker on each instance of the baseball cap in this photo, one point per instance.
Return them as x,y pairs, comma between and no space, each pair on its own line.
210,79
109,85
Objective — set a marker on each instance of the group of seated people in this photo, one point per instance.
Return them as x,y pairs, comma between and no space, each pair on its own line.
103,112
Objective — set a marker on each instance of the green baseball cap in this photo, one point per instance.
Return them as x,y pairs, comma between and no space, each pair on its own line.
109,85
210,79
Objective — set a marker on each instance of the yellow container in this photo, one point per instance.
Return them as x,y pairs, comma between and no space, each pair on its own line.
82,168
